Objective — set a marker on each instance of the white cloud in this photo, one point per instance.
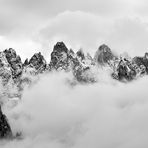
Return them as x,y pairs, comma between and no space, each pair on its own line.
130,35
99,115
83,23
80,29
77,29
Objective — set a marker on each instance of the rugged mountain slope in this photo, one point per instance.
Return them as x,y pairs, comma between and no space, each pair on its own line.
14,61
81,65
142,62
5,69
64,59
59,57
14,73
5,129
36,65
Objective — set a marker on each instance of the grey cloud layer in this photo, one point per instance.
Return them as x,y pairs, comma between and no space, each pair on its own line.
109,115
85,23
79,29
21,12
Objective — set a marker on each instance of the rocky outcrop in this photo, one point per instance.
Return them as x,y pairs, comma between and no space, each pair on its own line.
59,57
15,62
37,64
142,62
80,54
81,67
68,60
5,69
5,129
123,67
103,55
127,69
26,62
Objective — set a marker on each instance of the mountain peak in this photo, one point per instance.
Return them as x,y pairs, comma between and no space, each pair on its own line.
59,56
60,47
80,54
103,54
104,48
37,61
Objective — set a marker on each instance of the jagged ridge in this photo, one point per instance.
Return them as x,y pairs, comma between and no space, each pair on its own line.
13,71
123,68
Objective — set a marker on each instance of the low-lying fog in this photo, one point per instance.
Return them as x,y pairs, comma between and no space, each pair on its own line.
54,114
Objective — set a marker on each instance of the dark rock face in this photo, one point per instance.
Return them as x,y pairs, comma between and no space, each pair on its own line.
103,55
59,56
124,71
77,69
64,59
26,62
15,62
5,69
142,61
38,62
80,54
128,70
5,130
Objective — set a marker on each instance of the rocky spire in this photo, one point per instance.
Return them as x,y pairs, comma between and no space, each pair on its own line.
37,64
5,68
142,61
26,62
59,56
15,61
38,61
103,55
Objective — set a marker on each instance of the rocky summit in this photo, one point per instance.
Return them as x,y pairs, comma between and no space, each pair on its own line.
37,63
103,55
59,56
79,63
17,74
14,61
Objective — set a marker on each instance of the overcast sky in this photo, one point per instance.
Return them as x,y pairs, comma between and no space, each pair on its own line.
36,25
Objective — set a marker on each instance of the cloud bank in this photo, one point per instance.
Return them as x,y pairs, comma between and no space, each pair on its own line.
99,115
